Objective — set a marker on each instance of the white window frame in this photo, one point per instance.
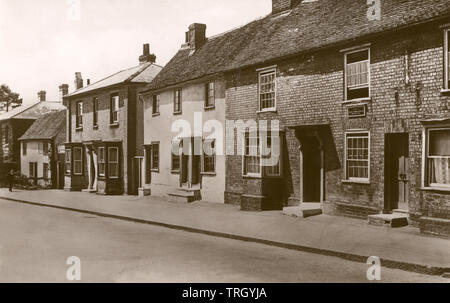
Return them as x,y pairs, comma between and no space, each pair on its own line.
156,99
114,108
180,100
214,157
79,114
210,101
68,161
262,73
80,160
446,59
101,151
348,52
346,177
115,162
427,157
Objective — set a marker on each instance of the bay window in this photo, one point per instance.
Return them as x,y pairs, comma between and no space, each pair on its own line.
259,162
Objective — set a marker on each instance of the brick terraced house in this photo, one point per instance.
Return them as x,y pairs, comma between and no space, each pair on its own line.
104,148
362,95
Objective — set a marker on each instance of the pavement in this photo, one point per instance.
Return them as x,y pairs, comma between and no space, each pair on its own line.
36,242
351,239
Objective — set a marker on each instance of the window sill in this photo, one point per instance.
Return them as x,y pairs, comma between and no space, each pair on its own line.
175,172
156,114
358,101
95,127
208,108
177,113
114,125
154,170
356,182
436,189
208,174
252,176
445,92
267,110
79,129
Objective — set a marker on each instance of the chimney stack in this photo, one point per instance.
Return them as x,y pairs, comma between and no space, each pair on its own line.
146,56
279,6
41,95
196,36
63,90
78,80
88,82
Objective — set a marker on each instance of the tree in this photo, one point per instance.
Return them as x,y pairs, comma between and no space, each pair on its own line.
8,99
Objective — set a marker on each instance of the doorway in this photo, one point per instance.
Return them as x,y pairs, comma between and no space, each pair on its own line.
312,173
137,175
190,175
396,172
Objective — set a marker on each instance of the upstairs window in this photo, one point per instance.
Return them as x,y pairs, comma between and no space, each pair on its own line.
357,74
101,161
45,148
114,108
155,105
210,95
113,162
78,160
24,148
438,157
267,90
95,112
68,163
177,101
447,59
79,114
357,161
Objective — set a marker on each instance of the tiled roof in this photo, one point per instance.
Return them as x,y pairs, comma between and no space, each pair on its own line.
309,25
46,127
139,74
32,110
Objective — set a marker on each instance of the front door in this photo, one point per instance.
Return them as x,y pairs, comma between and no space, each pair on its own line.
190,164
396,172
311,170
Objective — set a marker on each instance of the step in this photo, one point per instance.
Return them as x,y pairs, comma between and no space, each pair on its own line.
304,210
401,212
184,195
392,220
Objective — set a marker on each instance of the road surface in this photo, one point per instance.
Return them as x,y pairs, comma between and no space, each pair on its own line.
35,243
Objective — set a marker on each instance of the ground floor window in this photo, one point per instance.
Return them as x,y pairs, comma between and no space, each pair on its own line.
45,170
357,160
154,163
33,169
209,157
78,160
101,161
258,159
438,157
113,162
68,161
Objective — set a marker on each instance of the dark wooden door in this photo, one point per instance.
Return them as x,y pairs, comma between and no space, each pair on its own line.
311,169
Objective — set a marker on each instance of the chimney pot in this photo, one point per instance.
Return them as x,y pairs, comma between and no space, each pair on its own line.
63,90
146,56
41,95
197,35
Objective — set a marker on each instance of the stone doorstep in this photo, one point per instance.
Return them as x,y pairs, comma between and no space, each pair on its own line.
184,195
393,220
304,210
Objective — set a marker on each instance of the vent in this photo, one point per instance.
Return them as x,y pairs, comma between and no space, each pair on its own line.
357,111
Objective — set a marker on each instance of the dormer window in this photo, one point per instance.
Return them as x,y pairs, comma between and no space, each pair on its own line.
357,74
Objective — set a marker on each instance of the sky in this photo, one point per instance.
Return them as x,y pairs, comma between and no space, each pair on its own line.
44,42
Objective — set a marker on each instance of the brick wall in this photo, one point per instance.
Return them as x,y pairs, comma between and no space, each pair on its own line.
310,92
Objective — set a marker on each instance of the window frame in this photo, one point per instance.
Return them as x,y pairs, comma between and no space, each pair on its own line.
152,150
352,179
101,161
79,114
24,148
180,101
156,101
45,149
262,73
32,167
95,103
68,161
45,171
210,101
349,52
202,164
426,173
114,105
80,160
446,86
111,162
172,156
